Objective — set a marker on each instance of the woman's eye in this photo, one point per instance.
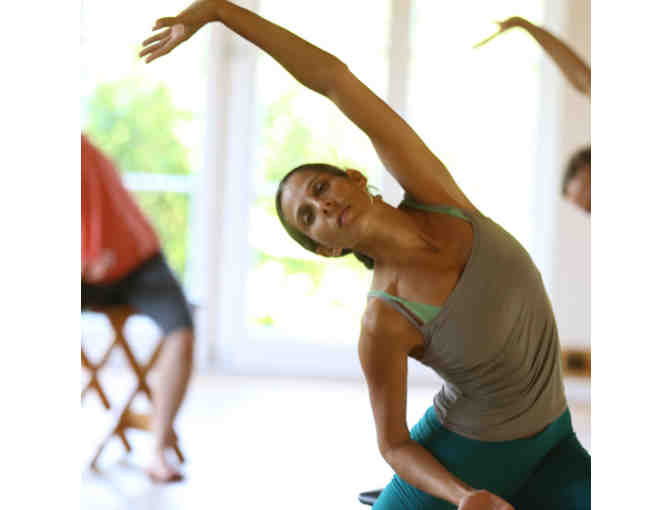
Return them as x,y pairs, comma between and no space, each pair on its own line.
320,187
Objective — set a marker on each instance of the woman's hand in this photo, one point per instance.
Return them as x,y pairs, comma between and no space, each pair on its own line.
178,29
505,25
483,500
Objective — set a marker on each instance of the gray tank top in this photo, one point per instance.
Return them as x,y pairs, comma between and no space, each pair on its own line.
494,341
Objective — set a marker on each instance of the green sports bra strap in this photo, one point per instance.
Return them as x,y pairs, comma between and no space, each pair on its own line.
422,311
443,209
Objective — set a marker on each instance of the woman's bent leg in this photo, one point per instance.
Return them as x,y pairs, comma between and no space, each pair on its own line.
550,470
562,480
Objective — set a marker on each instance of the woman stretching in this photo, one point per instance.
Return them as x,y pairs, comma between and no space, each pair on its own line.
451,289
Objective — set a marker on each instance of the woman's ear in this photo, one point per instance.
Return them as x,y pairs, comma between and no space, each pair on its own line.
328,252
356,176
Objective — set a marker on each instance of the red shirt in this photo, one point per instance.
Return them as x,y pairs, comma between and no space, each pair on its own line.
113,226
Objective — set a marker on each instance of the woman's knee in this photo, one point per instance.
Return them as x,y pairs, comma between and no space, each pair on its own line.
182,340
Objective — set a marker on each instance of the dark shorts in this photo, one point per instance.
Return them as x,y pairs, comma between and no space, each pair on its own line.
151,289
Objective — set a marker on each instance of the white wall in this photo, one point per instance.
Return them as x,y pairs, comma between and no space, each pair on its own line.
564,125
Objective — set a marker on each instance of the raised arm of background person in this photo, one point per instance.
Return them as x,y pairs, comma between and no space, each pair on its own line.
570,64
385,342
400,149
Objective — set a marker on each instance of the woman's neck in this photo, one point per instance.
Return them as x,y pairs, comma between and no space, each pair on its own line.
393,237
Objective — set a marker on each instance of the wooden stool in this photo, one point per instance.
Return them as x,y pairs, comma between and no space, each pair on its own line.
576,362
122,418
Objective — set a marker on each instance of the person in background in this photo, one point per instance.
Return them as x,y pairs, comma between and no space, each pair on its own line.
576,180
122,264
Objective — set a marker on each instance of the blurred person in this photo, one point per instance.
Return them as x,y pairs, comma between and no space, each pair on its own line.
451,289
122,264
576,179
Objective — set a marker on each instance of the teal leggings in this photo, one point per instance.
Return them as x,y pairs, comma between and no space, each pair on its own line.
550,470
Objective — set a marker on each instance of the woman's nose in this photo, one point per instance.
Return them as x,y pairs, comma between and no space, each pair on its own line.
326,205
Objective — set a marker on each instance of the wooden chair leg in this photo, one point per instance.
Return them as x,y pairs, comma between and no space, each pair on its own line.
103,443
178,453
143,421
118,323
122,435
123,417
96,455
116,428
93,382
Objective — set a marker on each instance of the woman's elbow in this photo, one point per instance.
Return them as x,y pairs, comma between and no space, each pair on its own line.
331,76
388,450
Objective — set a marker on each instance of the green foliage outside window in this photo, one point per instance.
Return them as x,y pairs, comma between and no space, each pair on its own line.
289,142
136,126
168,213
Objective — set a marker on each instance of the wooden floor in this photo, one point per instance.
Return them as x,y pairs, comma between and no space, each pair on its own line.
259,443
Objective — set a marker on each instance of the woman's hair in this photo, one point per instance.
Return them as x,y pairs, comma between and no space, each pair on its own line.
580,159
301,238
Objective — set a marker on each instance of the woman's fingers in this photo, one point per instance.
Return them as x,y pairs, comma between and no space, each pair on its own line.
163,42
151,49
160,51
156,37
164,22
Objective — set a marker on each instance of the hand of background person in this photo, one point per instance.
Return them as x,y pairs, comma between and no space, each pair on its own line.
512,22
95,271
507,24
483,500
178,29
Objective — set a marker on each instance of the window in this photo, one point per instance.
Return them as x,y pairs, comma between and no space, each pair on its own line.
291,292
476,109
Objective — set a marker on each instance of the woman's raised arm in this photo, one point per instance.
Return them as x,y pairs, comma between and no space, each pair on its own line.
402,152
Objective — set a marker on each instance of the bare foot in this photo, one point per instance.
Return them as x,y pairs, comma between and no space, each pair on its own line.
160,471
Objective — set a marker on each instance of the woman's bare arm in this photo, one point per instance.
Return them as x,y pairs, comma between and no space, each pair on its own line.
384,345
402,152
571,65
385,342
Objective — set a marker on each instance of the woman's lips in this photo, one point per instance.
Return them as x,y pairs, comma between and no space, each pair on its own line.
342,217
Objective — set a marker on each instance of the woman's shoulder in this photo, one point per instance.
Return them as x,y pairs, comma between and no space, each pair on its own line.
382,321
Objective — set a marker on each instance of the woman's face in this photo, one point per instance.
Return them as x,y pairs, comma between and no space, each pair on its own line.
328,208
578,189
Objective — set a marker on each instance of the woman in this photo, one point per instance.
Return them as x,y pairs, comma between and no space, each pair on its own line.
484,323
